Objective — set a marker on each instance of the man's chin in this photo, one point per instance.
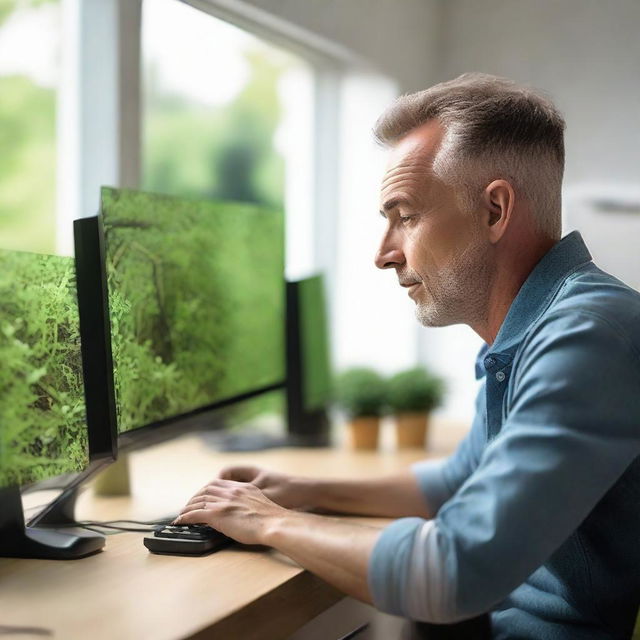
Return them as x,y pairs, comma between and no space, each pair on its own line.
428,315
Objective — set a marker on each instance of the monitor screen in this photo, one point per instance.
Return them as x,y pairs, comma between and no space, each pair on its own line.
43,431
196,302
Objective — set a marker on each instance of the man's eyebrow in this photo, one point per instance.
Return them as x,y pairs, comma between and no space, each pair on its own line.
390,204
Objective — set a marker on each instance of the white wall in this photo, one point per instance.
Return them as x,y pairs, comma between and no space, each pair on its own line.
398,37
585,53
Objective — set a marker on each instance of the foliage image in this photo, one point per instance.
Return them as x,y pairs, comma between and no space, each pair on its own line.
196,302
43,429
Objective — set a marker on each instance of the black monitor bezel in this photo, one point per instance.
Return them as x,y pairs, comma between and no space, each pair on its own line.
95,335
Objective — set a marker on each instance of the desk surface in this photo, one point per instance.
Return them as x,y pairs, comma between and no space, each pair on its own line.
126,592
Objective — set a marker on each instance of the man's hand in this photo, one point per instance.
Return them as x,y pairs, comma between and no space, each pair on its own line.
287,491
338,552
238,509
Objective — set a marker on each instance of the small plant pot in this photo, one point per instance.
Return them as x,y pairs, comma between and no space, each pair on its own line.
365,432
411,430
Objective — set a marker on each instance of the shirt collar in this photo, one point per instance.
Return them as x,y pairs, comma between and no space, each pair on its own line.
535,295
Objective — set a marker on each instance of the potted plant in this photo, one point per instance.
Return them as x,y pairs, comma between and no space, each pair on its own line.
411,396
361,393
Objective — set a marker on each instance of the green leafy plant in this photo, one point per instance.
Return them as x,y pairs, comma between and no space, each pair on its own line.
361,392
414,390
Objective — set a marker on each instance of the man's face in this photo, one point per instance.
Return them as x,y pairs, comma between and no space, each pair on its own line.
437,250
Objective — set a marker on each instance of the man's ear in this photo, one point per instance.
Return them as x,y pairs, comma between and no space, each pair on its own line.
498,201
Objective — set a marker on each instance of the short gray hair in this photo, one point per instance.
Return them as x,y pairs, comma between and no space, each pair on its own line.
494,128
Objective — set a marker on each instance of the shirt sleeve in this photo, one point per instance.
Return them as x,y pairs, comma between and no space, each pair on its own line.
570,432
438,480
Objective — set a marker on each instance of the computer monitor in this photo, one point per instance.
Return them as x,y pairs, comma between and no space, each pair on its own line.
196,306
44,430
309,375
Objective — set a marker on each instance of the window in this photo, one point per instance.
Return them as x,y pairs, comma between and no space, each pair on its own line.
29,79
225,115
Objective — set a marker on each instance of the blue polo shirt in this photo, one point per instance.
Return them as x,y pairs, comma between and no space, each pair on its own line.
538,510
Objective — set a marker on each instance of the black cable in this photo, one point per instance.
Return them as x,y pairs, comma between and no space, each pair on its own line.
102,525
115,525
102,533
148,522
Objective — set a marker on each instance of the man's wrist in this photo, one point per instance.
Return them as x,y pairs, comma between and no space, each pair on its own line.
306,490
278,526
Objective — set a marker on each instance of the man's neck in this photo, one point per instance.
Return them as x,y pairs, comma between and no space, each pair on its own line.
511,272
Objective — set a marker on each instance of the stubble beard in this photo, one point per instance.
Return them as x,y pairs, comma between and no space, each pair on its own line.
458,293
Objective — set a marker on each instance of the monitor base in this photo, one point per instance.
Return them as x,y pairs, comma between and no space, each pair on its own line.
51,544
60,511
18,541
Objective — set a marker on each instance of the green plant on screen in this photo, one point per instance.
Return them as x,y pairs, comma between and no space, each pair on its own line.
196,298
42,412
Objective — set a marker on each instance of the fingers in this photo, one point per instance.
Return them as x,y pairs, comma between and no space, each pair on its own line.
216,496
197,516
212,488
209,490
216,490
197,511
200,504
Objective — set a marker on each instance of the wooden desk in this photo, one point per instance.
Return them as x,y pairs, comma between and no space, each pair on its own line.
125,592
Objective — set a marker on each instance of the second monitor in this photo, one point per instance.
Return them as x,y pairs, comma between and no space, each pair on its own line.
196,303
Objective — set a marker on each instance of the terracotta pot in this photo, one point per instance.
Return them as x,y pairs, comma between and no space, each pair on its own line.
411,430
364,432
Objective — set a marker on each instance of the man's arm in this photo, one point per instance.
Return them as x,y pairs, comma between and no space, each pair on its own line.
338,552
391,496
258,506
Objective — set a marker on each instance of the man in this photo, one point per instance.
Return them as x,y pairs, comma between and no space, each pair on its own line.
536,516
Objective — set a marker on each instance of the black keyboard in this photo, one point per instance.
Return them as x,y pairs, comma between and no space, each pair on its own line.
190,539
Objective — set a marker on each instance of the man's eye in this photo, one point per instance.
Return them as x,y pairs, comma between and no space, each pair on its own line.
405,220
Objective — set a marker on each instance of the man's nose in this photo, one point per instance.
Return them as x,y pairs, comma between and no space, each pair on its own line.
389,255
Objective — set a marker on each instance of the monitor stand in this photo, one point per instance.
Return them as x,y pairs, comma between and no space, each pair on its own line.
20,541
245,440
256,440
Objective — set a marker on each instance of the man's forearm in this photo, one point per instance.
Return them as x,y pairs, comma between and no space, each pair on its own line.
394,496
338,552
